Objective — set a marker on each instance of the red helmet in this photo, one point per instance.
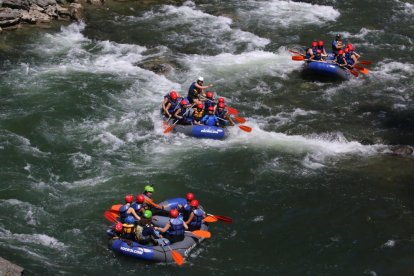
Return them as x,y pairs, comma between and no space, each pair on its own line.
221,100
221,105
340,52
346,50
189,196
209,94
320,43
140,198
129,198
314,43
350,46
210,108
194,203
184,102
118,227
200,106
318,51
174,213
173,94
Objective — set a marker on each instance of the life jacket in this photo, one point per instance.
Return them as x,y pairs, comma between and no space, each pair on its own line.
314,50
307,56
197,115
340,59
176,228
197,220
137,206
143,233
322,48
128,231
317,57
174,105
193,92
123,212
208,103
336,44
222,115
209,120
186,211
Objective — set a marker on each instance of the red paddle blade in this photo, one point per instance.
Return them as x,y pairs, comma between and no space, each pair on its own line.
294,52
109,216
246,128
178,259
168,129
366,62
240,119
202,233
353,72
224,219
232,110
210,219
298,58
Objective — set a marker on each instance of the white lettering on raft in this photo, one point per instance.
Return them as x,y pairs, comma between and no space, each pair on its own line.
208,130
138,251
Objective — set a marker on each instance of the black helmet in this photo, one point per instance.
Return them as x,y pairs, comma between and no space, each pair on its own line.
338,36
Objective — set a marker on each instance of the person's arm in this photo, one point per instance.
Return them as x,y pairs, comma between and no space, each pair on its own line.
203,87
164,229
132,212
228,117
166,109
185,225
357,56
190,218
176,114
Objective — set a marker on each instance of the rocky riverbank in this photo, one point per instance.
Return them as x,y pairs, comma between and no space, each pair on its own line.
15,13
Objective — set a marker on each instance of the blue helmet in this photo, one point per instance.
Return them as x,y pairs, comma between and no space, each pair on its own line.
130,220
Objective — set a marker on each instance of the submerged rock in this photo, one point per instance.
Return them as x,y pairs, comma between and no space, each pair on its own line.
402,150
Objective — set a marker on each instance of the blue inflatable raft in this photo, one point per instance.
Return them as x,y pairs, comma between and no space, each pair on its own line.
157,253
327,69
202,131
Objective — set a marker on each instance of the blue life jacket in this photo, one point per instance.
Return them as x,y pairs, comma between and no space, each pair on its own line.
186,210
192,93
177,227
317,57
123,212
314,50
222,115
349,59
174,106
307,54
210,120
136,206
208,103
340,59
197,220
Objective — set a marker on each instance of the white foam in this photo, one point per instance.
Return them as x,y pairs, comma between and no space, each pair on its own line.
392,70
80,160
40,239
192,26
288,13
31,212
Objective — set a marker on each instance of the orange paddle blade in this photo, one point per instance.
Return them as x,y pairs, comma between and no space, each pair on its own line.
210,219
361,69
202,233
178,259
116,207
353,72
150,201
246,128
298,58
240,119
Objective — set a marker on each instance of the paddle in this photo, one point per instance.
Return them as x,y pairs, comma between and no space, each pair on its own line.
176,256
361,69
298,58
294,52
200,233
168,129
115,208
353,72
110,216
244,128
210,219
365,62
240,119
222,218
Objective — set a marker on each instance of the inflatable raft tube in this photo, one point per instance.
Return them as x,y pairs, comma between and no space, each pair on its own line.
327,69
197,131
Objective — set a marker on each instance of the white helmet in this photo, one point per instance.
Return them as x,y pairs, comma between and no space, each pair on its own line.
200,79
